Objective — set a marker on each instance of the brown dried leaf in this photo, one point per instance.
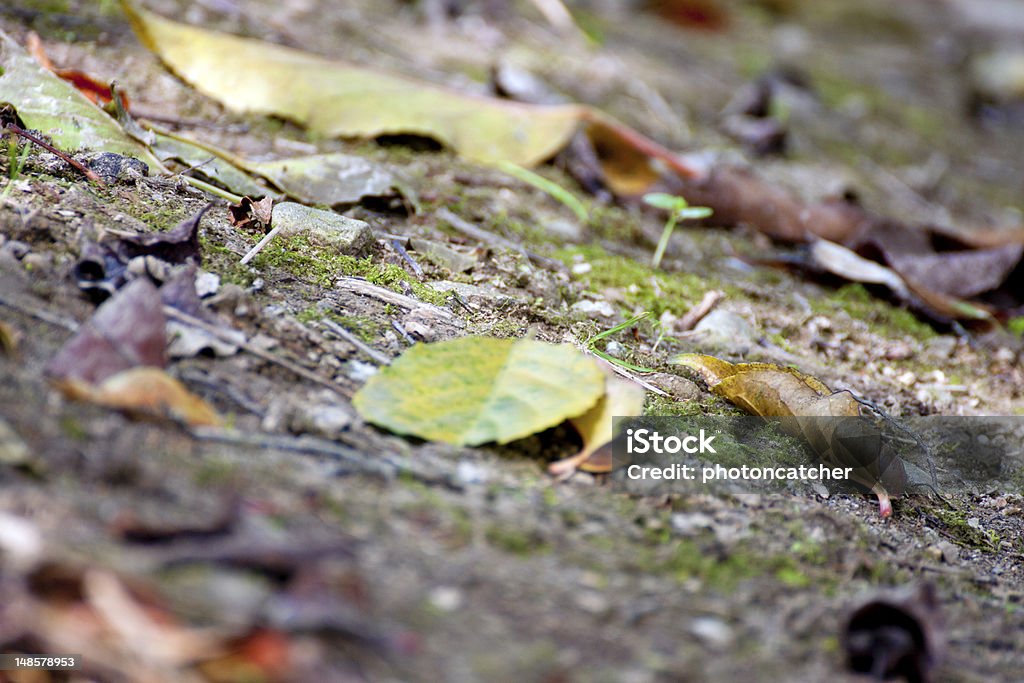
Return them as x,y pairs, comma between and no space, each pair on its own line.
145,391
802,401
128,330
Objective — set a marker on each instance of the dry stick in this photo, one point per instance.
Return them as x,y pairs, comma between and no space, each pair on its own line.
487,237
88,173
368,350
38,314
302,372
698,312
259,245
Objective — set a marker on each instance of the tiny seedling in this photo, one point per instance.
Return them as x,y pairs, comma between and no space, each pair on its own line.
544,185
678,209
592,343
15,162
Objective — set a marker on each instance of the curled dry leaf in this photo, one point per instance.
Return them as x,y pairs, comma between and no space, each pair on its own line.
147,392
828,421
899,634
621,398
128,330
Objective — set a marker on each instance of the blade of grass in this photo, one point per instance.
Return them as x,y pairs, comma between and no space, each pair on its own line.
544,185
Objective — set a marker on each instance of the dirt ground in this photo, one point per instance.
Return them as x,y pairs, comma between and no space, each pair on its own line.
369,556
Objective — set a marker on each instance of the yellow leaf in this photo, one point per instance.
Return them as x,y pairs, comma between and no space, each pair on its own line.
338,99
622,398
146,390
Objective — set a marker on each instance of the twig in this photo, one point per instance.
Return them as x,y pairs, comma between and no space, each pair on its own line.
367,350
88,173
487,237
402,331
698,312
259,245
397,246
358,285
302,372
46,317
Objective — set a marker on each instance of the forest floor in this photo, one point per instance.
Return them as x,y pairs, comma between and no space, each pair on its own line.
369,556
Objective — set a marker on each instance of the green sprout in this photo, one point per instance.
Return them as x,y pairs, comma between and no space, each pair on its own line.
592,343
678,209
547,186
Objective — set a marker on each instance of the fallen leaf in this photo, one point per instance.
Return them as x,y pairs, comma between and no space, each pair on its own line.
805,407
48,104
96,92
250,214
128,330
899,634
337,99
145,391
621,398
326,179
474,390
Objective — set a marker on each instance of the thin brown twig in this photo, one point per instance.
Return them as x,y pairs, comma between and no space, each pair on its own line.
368,350
88,173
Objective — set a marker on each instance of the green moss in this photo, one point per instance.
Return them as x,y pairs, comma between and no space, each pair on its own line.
663,405
963,534
643,288
220,260
516,540
689,560
366,328
882,316
323,265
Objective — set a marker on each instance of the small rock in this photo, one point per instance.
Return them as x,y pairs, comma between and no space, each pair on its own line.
950,552
326,420
614,349
37,263
594,309
592,602
581,268
360,371
115,167
723,330
347,235
712,631
690,524
467,473
1004,355
446,598
207,284
680,388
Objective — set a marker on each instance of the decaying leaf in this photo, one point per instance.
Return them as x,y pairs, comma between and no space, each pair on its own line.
621,398
250,214
899,634
48,104
128,330
178,245
474,390
334,98
326,179
146,391
802,403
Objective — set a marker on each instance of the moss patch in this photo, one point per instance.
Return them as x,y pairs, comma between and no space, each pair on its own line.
883,317
323,265
642,288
